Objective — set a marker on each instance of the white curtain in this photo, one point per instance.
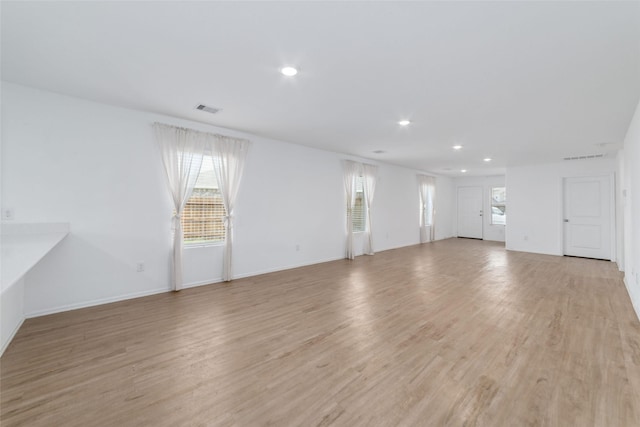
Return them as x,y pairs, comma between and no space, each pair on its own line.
431,208
369,174
351,171
427,191
229,156
182,151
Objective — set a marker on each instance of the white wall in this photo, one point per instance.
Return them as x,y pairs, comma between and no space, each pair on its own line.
535,202
489,231
96,166
631,208
445,216
620,210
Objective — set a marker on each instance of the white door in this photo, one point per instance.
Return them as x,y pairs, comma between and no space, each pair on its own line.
587,217
470,212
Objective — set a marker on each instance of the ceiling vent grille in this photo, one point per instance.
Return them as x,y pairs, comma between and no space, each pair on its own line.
211,110
591,156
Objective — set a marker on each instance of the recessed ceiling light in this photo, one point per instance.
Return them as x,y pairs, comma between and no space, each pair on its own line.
487,159
404,122
463,170
289,71
457,147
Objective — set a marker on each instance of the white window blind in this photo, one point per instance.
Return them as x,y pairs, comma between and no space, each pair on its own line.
203,215
358,218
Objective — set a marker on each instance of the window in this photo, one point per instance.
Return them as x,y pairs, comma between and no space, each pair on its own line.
358,218
203,215
498,206
428,211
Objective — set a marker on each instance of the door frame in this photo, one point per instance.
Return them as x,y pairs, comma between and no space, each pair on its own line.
482,208
612,209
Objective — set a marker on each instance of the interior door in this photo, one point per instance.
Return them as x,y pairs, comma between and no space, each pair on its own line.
587,217
470,212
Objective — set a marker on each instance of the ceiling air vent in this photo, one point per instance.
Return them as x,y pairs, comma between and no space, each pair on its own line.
591,156
211,110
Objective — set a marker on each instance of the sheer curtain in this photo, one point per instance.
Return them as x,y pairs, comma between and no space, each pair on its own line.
182,151
431,208
369,173
351,171
427,189
229,156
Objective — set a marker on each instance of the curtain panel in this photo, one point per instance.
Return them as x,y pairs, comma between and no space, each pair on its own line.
351,172
182,152
229,155
427,191
370,174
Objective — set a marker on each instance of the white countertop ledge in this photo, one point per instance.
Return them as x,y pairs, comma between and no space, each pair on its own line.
24,245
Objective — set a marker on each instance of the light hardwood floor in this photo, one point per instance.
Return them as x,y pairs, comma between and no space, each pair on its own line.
457,332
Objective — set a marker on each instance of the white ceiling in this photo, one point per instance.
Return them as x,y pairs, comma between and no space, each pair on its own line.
521,82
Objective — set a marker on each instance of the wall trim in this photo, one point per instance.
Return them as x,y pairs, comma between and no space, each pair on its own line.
289,267
92,303
125,297
534,252
201,283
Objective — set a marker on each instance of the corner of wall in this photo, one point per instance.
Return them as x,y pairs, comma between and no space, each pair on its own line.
11,313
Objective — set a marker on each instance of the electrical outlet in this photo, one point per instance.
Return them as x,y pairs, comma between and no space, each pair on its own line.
526,238
7,214
140,267
297,248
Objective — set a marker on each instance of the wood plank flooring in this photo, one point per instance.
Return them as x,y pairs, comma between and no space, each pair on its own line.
457,332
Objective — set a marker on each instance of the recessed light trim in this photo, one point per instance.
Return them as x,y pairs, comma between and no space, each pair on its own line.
457,147
463,170
487,159
404,122
289,71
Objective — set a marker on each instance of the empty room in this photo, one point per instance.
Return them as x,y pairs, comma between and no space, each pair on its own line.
320,213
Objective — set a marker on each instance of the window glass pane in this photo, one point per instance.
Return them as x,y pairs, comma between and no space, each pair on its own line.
499,195
203,215
498,206
358,210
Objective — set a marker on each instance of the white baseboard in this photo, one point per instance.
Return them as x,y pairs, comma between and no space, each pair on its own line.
92,303
534,252
288,267
101,301
201,283
11,336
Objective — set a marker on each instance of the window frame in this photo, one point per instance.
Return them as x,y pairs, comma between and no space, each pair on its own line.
499,205
206,243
